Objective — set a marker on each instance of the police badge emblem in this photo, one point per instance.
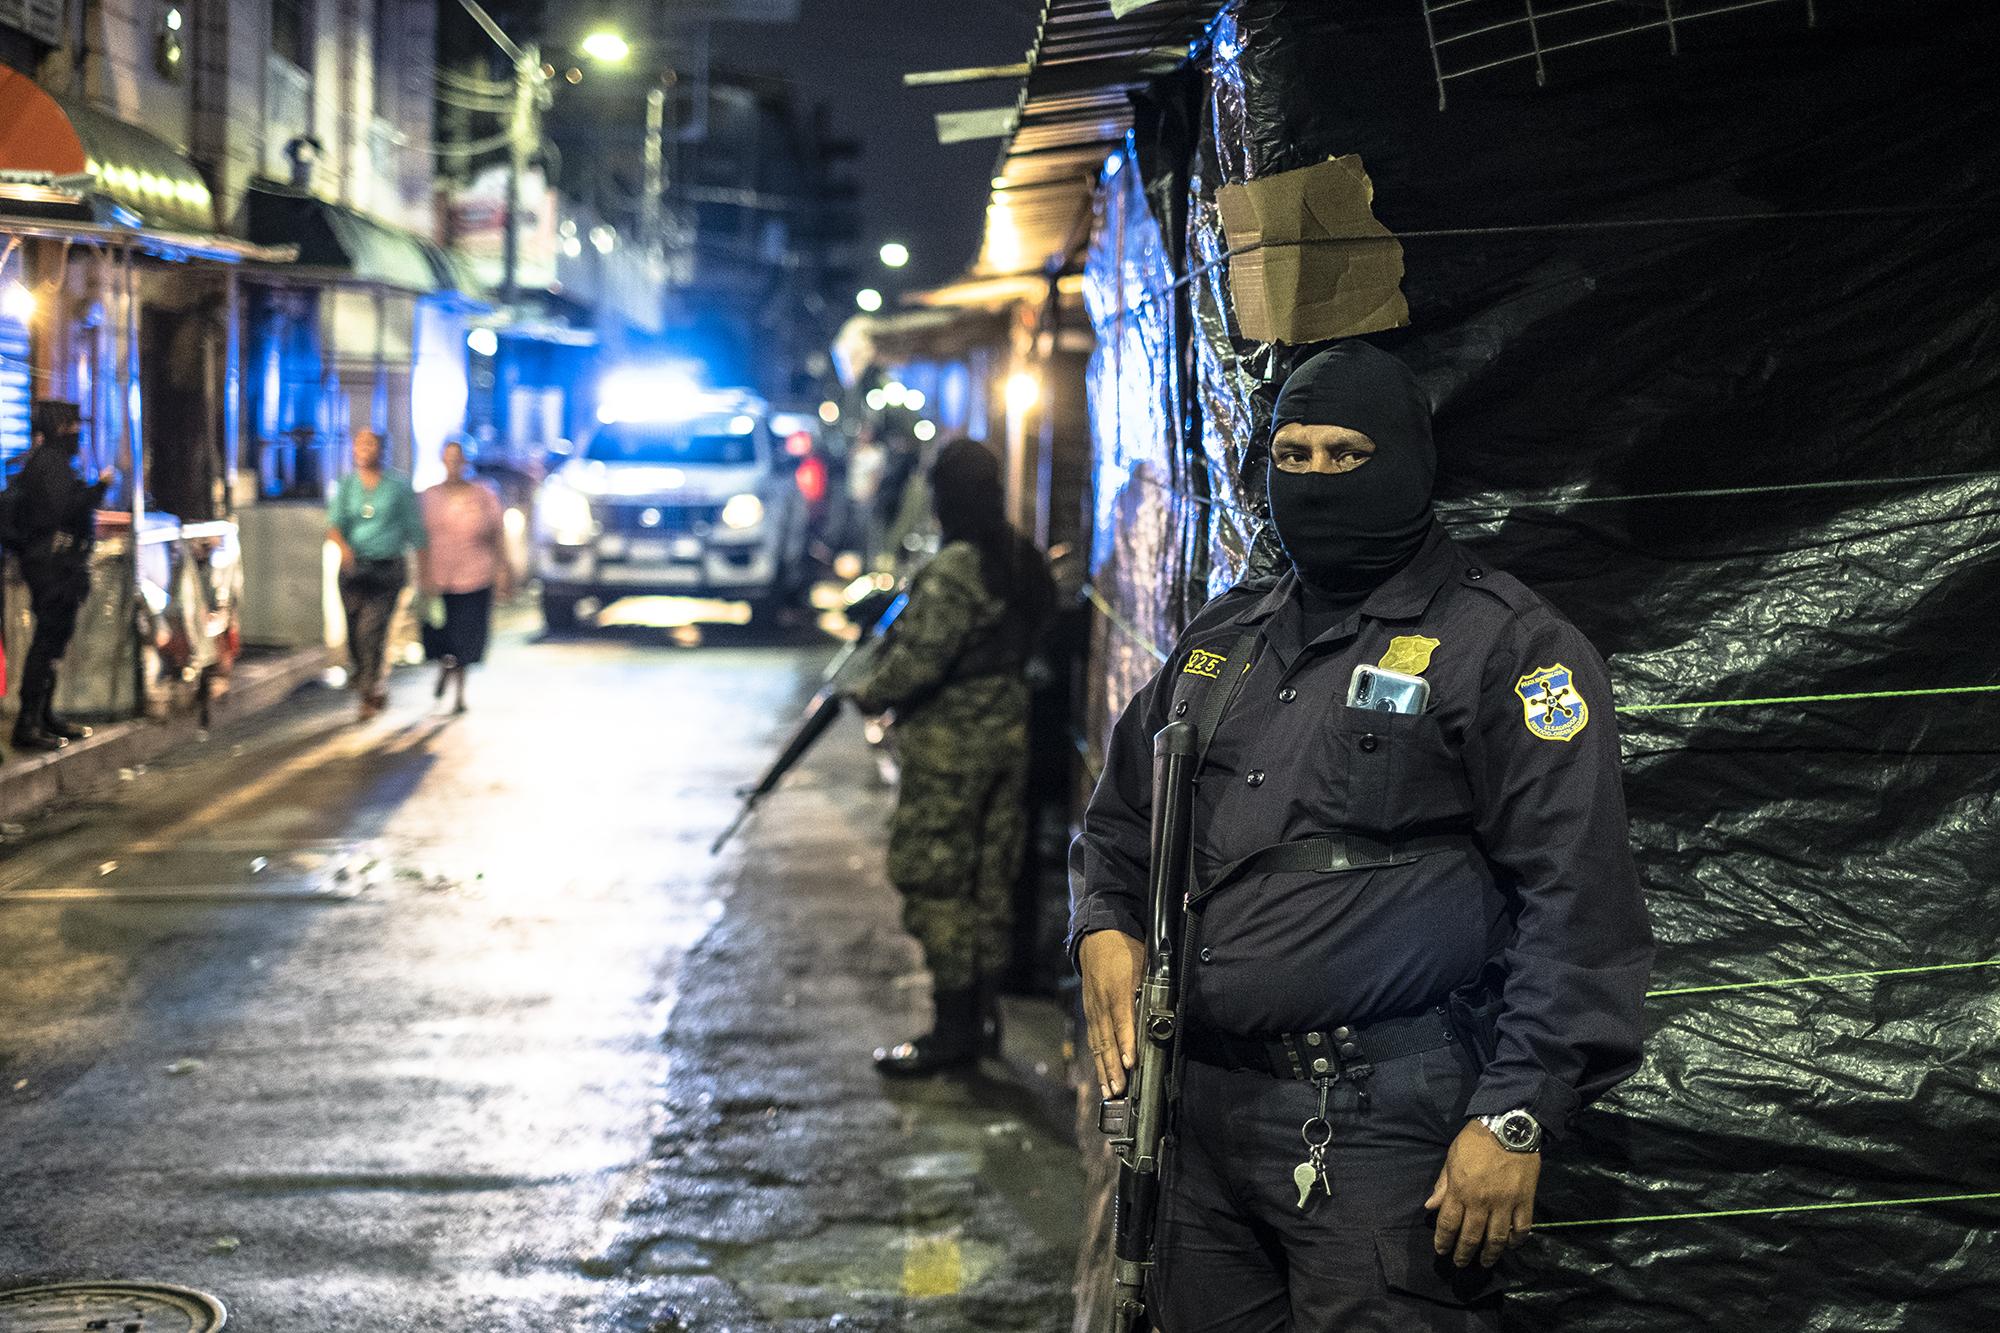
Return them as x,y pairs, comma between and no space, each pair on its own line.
1409,653
1551,705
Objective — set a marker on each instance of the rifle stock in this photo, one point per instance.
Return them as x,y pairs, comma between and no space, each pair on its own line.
1137,1121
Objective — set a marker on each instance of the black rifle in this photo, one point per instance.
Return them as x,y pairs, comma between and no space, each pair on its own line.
1136,1121
821,711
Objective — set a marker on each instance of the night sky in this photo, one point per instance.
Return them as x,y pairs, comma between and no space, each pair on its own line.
852,54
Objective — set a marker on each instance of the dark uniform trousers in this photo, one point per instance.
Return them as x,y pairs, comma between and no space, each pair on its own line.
58,584
1236,1254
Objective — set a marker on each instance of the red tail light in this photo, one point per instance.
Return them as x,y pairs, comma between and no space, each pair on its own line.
799,443
811,478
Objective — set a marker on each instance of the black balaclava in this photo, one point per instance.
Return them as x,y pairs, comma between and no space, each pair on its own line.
969,499
1348,532
967,494
58,422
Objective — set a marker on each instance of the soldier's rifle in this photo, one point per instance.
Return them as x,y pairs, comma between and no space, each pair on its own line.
1136,1121
876,617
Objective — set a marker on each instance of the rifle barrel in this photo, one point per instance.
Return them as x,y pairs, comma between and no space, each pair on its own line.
1136,1202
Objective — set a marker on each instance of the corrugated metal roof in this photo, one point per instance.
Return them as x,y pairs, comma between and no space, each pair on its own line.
1072,112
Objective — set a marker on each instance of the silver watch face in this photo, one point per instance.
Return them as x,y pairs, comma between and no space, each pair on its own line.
1516,1130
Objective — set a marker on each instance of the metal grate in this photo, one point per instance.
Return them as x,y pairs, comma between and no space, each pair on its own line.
1472,36
667,520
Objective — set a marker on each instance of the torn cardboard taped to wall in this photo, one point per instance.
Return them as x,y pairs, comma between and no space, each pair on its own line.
1308,260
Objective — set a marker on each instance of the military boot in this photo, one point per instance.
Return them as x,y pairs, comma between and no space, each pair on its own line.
53,722
30,732
952,1043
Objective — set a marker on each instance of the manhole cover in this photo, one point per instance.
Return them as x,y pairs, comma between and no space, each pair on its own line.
109,1307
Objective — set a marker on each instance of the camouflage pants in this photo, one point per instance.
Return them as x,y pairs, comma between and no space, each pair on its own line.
954,853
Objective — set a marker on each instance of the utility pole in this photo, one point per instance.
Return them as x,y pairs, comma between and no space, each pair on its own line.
521,135
649,204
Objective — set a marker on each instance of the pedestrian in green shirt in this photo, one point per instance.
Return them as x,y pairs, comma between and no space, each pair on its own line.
375,522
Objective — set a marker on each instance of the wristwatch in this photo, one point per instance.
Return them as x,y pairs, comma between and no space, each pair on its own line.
1516,1129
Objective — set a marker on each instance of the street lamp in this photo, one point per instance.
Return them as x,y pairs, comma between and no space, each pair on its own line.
895,254
606,47
868,299
1024,390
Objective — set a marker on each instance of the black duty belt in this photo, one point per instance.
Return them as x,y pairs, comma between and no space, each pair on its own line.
1333,1053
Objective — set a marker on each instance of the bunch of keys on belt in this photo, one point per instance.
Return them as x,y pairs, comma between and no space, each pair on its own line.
1317,1133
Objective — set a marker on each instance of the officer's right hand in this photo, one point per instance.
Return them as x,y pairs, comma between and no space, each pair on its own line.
1110,961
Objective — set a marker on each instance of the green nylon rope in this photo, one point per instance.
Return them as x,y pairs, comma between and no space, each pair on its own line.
1133,632
1824,976
1766,1212
1807,698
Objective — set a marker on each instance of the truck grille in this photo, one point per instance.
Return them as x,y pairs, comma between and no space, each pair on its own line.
674,520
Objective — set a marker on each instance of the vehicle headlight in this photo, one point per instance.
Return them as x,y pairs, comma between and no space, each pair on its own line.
742,511
564,514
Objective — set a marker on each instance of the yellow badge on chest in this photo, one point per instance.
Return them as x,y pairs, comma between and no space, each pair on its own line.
1201,662
1408,653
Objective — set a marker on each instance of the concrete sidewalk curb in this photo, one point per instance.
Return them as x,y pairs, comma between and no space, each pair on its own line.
33,783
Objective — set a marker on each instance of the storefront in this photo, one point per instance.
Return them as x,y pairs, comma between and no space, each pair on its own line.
116,294
366,329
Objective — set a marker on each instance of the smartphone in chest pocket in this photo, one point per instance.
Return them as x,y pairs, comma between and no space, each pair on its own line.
1380,690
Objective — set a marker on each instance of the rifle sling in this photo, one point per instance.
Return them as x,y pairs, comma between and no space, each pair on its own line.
1215,701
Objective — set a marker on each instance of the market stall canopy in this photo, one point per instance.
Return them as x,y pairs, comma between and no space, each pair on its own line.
56,152
332,236
1073,111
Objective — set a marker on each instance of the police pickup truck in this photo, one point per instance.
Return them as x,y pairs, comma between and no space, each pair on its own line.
675,492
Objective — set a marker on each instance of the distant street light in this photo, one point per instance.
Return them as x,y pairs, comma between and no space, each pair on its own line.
483,341
895,254
17,303
606,47
868,299
924,430
829,411
914,400
1023,390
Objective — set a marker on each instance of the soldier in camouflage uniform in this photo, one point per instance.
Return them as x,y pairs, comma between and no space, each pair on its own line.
953,672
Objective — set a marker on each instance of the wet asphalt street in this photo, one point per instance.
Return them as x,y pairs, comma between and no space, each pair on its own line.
452,1023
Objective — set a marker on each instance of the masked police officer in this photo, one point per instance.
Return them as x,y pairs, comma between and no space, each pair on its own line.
1420,945
54,516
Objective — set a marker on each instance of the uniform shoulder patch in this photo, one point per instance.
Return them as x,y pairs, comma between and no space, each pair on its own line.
1202,662
1409,653
1551,705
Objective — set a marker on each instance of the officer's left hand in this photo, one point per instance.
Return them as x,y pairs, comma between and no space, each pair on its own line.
1484,1197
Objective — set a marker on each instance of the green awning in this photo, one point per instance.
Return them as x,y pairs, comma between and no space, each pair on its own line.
333,236
141,171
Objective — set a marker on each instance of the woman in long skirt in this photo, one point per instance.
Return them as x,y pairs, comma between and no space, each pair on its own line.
464,563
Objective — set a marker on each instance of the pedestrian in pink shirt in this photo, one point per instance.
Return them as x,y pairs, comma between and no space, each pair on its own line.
464,562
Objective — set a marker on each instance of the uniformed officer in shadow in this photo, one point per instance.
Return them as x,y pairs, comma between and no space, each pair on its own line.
55,516
1421,945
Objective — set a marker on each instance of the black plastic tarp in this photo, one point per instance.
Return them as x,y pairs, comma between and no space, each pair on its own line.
1713,346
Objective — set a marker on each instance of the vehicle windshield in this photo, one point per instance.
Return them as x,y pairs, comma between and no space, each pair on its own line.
703,440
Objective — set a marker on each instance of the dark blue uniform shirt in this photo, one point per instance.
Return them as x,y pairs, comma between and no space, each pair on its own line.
1517,750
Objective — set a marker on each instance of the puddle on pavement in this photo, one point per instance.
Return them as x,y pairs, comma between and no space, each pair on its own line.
329,873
